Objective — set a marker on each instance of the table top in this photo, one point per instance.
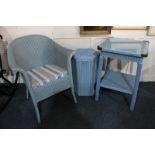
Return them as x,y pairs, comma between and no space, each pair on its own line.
124,46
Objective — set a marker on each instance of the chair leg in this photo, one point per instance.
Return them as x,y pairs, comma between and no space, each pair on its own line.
74,96
37,113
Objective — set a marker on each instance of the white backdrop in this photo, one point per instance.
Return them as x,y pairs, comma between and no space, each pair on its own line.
69,36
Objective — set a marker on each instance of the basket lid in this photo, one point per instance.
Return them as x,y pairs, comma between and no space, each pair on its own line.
85,54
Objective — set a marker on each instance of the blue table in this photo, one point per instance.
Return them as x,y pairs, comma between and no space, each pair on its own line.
122,49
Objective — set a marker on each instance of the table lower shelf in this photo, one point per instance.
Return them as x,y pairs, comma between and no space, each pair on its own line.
119,82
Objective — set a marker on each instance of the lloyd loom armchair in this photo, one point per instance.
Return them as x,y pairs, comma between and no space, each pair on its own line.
44,65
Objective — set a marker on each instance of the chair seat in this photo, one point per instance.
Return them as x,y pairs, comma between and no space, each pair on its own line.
43,75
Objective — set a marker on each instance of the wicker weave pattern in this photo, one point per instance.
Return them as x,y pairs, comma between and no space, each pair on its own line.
33,51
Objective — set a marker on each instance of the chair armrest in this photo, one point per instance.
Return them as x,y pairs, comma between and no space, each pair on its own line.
63,56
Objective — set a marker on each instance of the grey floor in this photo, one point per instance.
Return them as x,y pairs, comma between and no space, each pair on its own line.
60,112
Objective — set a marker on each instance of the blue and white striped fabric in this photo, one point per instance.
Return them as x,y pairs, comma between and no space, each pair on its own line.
44,74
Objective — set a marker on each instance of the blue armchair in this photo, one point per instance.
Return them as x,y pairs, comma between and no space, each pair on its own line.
44,65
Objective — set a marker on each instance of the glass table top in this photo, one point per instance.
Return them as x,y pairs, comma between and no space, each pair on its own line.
125,46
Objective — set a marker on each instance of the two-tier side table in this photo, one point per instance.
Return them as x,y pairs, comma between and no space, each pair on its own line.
122,49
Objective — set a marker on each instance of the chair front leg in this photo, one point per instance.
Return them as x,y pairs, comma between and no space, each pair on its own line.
74,96
37,112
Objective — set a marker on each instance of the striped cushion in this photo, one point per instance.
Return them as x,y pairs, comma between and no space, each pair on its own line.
42,75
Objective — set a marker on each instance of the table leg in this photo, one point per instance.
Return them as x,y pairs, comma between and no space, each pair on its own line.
99,76
108,65
136,84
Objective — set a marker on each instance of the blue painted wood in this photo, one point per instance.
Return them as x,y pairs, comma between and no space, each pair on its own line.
125,46
120,56
99,76
123,49
136,84
108,65
118,81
